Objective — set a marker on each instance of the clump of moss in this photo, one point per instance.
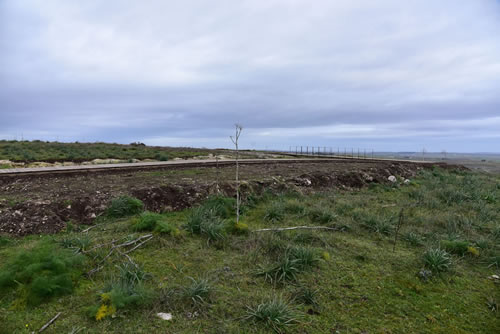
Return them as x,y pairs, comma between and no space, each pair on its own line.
42,272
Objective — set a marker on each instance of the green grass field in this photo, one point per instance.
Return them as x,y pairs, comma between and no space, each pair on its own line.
31,151
217,277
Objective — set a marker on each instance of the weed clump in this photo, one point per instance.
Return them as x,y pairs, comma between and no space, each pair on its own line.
41,273
275,313
126,289
124,206
437,260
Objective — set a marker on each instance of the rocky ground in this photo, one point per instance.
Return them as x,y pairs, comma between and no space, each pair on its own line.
44,203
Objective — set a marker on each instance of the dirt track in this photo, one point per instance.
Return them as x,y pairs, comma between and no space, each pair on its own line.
33,204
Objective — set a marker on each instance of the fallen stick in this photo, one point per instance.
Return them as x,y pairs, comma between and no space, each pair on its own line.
277,229
49,323
138,245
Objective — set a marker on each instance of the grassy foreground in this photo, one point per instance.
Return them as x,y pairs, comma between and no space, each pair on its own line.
217,277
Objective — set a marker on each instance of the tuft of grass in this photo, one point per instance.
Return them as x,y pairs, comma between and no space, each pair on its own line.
124,206
413,239
41,273
198,291
437,260
125,290
275,313
275,212
377,225
205,222
294,207
306,295
4,241
220,206
293,262
321,216
76,243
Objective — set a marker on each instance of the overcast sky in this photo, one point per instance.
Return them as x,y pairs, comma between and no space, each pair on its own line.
386,74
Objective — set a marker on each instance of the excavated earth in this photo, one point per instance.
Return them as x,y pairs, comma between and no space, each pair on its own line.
36,204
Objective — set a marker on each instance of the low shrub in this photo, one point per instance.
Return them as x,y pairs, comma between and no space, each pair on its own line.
457,247
42,272
124,206
275,313
437,260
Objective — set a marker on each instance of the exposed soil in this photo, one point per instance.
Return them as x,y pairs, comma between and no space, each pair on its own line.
44,203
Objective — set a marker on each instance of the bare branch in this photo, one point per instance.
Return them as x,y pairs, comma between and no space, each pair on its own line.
277,229
49,322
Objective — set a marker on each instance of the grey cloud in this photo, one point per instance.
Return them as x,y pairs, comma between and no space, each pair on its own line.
362,72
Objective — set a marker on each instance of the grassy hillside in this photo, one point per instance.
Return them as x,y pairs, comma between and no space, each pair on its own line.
217,277
31,151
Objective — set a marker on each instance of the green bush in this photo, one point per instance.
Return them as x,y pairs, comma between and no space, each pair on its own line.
457,247
43,272
124,206
275,313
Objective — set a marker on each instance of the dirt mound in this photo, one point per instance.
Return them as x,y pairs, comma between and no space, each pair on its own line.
171,197
82,204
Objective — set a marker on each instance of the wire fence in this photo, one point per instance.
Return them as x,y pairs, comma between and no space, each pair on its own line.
355,153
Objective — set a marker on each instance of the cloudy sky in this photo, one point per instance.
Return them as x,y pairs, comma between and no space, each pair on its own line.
386,74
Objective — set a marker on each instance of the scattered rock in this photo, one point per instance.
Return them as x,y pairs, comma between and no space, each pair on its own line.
392,178
164,316
407,181
424,274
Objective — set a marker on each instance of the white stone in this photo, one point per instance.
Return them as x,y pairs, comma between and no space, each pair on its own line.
407,181
165,316
392,178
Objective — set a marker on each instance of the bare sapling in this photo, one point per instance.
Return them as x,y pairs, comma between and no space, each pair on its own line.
238,129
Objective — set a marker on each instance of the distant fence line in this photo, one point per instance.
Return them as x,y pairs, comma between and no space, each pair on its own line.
359,153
